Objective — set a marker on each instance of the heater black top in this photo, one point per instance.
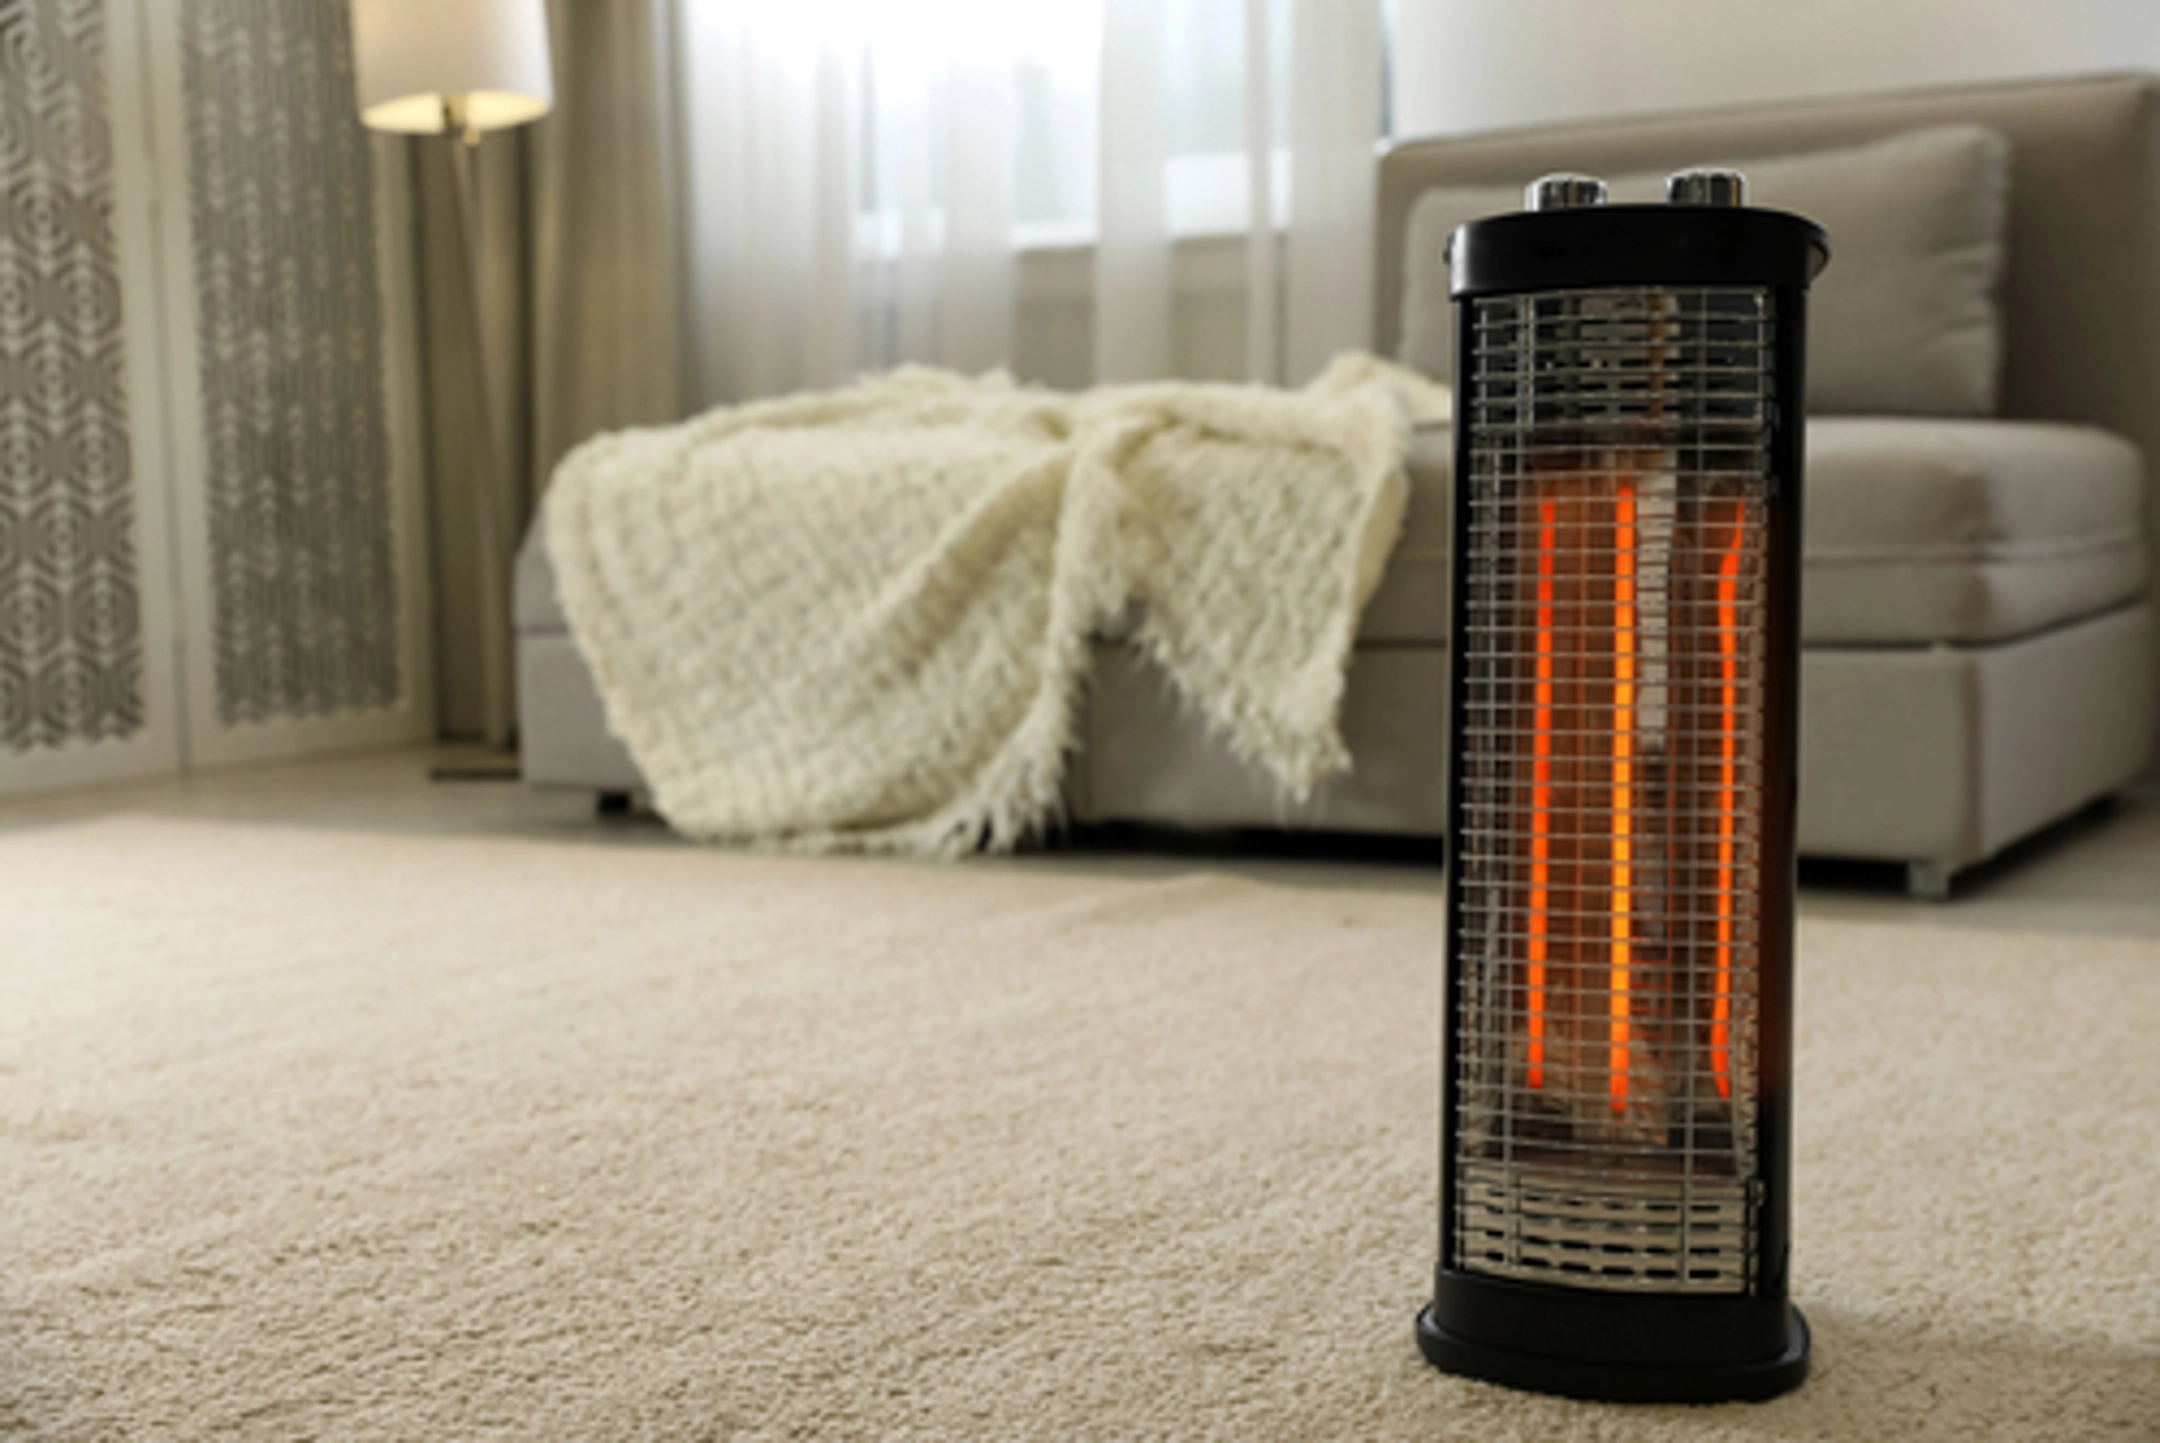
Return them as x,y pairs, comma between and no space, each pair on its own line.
1635,245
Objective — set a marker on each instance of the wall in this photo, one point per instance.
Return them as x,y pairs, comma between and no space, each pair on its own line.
1467,65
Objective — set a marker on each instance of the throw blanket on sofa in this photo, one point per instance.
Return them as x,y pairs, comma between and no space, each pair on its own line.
861,619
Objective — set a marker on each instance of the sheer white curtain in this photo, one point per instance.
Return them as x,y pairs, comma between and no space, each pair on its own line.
848,176
1297,86
860,179
1334,136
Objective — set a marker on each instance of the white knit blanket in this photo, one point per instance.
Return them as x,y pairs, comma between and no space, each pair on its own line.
862,618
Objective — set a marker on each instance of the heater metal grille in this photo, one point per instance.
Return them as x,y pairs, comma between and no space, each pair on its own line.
1608,845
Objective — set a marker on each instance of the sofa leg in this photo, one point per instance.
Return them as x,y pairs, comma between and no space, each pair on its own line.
612,804
1927,881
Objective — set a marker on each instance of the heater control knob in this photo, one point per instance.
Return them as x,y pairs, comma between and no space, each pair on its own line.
1563,191
1706,187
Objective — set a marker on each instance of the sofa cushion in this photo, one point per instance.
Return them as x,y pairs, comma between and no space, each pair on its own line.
1410,604
1965,531
1904,321
1918,532
534,605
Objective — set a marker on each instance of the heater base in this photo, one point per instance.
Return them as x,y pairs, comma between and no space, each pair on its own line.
1617,1382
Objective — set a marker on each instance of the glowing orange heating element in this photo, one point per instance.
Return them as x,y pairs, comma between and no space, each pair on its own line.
1623,789
1541,792
1634,730
1728,634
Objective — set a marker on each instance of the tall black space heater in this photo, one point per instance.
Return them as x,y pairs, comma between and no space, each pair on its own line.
1616,1118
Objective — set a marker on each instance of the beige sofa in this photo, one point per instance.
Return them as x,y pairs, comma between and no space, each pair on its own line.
1979,649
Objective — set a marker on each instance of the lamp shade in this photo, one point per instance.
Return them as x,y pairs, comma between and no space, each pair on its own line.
490,57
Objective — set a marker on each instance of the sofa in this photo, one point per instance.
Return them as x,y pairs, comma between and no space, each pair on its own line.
1979,652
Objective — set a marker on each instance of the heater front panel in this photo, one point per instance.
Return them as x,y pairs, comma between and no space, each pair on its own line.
1610,736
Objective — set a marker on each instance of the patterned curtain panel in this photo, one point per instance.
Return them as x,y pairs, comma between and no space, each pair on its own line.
71,657
290,344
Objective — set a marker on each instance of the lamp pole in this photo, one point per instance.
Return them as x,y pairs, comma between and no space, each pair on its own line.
490,499
427,67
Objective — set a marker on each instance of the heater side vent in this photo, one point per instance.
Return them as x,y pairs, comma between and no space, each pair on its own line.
1609,842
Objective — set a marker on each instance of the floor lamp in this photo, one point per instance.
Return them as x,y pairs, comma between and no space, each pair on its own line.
434,67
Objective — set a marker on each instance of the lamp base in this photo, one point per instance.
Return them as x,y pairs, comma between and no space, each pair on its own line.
1618,1382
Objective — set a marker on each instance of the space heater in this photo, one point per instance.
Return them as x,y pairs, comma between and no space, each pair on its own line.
1616,1112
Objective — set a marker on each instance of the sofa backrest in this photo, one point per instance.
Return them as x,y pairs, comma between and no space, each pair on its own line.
2081,296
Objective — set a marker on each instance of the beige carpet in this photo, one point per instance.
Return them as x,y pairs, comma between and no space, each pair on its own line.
316,1134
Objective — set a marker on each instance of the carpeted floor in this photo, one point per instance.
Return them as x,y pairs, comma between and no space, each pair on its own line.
320,1134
